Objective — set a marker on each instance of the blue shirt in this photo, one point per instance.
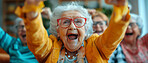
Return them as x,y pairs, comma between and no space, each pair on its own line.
14,47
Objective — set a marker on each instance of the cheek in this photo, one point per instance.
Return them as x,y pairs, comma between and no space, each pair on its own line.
19,33
81,32
137,31
62,33
105,27
94,28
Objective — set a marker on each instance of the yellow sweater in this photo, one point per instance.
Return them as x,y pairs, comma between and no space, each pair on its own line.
98,48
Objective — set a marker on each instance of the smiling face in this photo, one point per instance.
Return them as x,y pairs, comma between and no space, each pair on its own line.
71,36
22,32
99,25
132,32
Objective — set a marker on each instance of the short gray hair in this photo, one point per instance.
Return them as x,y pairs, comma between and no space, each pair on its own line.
138,20
17,22
72,6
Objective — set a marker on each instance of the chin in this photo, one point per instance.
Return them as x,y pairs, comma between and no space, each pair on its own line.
72,48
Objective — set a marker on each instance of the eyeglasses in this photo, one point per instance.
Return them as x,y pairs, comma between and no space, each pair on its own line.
132,25
66,22
20,27
101,23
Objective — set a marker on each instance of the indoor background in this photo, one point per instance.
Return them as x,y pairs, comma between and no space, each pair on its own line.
7,8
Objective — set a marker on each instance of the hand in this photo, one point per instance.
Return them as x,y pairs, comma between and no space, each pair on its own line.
32,14
116,2
46,12
35,2
91,11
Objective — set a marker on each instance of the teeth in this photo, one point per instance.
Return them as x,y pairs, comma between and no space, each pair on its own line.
72,36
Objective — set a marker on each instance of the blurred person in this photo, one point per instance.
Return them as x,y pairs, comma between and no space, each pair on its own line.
72,38
17,47
132,49
100,22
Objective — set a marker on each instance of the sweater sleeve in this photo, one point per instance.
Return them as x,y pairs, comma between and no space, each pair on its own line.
5,40
109,40
37,37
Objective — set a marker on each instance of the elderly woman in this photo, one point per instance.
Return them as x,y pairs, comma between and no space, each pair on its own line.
100,22
132,49
17,48
72,39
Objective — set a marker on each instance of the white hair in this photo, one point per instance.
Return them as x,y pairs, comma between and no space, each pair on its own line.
72,6
138,20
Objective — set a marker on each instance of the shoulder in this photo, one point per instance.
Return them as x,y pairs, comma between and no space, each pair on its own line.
93,36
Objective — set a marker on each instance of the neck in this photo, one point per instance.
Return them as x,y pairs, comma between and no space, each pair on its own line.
131,45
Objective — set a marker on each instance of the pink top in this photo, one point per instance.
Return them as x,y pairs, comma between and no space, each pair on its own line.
141,54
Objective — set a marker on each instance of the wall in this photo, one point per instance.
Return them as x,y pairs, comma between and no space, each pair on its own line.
143,14
1,18
134,4
146,22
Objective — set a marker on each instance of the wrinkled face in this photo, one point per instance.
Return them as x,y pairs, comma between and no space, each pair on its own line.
73,35
22,32
132,32
99,25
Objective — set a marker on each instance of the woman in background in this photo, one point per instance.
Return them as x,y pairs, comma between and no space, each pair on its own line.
17,47
100,22
132,49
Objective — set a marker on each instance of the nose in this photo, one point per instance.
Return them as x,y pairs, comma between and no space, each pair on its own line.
129,27
72,26
98,27
24,29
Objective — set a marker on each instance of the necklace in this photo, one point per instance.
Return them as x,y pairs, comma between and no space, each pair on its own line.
71,55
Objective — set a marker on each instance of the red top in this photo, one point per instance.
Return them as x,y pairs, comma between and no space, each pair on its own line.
141,54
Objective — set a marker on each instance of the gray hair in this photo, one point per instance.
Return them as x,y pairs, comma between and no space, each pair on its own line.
72,6
138,20
17,22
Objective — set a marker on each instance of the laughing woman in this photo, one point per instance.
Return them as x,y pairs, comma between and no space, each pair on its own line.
132,49
17,47
71,27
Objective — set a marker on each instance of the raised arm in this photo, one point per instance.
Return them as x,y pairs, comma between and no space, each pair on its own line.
109,40
37,37
5,40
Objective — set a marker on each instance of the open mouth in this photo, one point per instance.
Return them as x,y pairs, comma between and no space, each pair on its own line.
72,36
24,36
129,34
98,31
